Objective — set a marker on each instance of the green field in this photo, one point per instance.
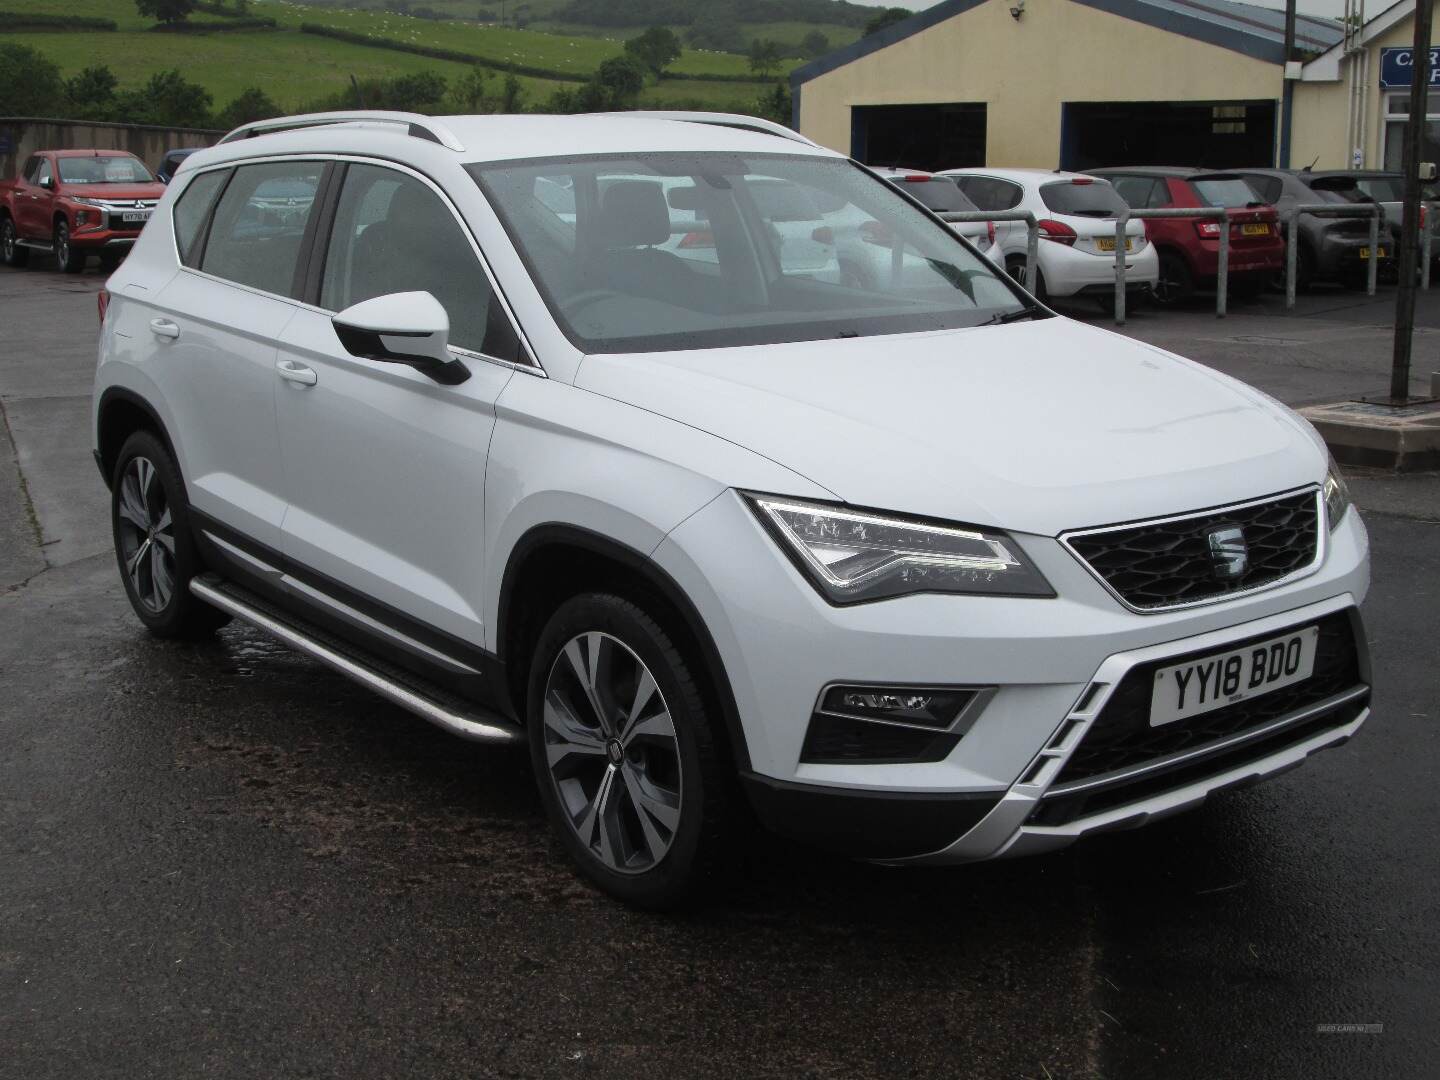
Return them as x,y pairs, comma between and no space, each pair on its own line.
295,68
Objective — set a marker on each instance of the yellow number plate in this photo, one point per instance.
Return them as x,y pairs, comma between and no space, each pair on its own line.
1109,245
1365,253
1255,230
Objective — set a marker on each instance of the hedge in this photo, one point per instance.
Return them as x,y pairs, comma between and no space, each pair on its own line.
24,20
262,22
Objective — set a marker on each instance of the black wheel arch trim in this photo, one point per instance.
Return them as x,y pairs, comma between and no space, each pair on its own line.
108,398
669,590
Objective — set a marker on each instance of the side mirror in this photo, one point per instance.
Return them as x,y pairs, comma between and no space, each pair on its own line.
408,328
47,182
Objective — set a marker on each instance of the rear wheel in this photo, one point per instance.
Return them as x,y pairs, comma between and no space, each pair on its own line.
621,743
1175,283
11,253
150,520
71,260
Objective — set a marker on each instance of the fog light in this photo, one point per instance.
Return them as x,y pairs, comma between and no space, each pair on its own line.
913,706
81,217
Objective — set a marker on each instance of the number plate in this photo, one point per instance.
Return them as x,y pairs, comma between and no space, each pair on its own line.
1108,244
1201,686
1255,230
134,217
1365,253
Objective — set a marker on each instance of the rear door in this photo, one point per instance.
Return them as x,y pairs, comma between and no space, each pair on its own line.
385,468
216,325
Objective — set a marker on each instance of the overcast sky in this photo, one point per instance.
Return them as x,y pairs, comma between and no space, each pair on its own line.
1332,8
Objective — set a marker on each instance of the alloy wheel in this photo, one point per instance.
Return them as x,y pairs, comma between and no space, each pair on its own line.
612,752
7,240
62,245
146,530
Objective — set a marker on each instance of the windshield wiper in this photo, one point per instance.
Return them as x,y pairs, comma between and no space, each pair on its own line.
1029,311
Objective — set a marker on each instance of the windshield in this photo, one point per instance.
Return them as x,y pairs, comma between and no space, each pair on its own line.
938,193
103,170
1084,198
1227,191
658,252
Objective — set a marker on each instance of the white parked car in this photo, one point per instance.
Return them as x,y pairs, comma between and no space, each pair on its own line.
1076,216
920,570
942,195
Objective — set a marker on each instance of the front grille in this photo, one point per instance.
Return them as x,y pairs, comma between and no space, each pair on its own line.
1166,564
1121,736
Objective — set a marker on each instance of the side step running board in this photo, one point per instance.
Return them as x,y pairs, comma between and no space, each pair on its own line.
34,245
469,722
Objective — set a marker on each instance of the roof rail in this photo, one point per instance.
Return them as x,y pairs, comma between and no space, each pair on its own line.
416,124
718,119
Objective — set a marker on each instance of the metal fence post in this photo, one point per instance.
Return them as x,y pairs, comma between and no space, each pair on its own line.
1032,253
1222,274
1426,232
1122,220
1373,269
1292,228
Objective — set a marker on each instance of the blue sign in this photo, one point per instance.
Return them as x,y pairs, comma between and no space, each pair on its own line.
1397,68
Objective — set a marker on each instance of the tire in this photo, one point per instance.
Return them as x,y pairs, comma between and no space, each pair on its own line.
11,253
637,801
1015,266
71,260
154,547
1176,283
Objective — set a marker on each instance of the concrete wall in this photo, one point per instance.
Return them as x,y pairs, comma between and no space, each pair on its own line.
1322,111
1025,70
22,136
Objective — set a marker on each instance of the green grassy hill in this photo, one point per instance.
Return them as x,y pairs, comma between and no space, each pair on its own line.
296,67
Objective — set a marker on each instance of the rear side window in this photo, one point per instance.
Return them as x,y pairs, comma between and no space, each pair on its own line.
937,193
393,234
1228,191
1139,192
1093,199
191,210
1268,188
259,225
989,193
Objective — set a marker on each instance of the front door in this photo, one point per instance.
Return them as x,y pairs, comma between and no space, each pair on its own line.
385,468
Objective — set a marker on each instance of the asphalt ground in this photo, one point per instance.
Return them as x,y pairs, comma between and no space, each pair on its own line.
222,860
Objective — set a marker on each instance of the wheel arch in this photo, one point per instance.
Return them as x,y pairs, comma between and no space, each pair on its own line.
121,413
553,561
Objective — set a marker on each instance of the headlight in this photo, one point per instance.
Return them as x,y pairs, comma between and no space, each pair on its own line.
1337,496
851,555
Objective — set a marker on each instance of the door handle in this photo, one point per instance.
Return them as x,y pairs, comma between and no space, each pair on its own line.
164,328
297,373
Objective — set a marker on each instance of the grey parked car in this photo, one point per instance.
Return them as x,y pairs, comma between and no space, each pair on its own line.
1386,188
1330,249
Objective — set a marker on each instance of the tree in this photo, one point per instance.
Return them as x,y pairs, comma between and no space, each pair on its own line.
252,104
471,91
764,56
91,95
714,30
167,100
814,44
775,105
29,83
512,94
420,92
657,48
165,11
885,18
621,78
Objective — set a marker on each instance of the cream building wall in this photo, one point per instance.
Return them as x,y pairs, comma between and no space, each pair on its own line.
1322,110
1023,71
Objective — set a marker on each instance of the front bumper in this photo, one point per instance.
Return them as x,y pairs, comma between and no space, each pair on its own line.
780,643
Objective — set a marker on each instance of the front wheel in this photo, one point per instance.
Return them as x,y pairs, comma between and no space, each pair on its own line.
1175,282
11,253
150,520
71,260
621,742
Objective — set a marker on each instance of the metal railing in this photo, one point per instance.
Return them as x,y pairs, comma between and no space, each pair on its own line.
1032,235
1201,213
1291,217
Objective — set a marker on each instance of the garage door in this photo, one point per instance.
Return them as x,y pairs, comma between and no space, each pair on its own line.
1212,135
947,136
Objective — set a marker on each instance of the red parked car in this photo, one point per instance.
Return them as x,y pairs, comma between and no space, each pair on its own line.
74,204
1189,248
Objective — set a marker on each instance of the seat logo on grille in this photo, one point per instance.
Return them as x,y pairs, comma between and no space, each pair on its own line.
1229,554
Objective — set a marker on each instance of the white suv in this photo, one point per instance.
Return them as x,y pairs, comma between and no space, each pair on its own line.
1076,215
920,572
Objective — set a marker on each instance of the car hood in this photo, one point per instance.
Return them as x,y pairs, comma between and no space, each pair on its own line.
116,192
1038,427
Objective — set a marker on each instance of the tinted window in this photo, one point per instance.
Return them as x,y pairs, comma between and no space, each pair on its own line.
191,210
938,193
1229,191
1383,188
989,193
393,234
1093,199
1269,188
1337,189
260,223
660,251
1137,191
103,170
